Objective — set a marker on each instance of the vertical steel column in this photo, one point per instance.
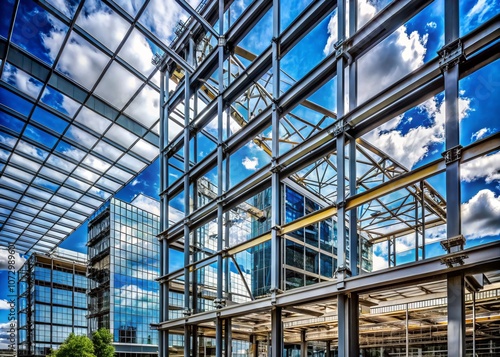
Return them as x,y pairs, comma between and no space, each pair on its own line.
228,341
276,240
220,181
303,344
163,208
456,315
276,332
328,348
355,246
353,325
455,282
341,187
276,250
187,251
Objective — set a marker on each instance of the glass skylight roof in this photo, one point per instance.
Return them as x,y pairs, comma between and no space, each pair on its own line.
79,109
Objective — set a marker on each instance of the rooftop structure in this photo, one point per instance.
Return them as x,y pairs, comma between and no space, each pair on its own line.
347,129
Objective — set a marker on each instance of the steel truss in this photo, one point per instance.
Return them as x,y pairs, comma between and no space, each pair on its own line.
361,192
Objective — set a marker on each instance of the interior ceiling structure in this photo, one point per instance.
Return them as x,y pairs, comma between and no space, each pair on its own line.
79,109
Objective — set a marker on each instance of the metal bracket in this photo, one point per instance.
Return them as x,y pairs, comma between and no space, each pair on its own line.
451,55
187,312
453,154
219,303
157,60
276,228
222,41
275,167
454,260
457,241
340,49
187,221
342,269
339,128
341,204
276,106
220,199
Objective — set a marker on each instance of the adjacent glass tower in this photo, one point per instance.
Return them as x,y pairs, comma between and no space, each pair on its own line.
123,266
52,301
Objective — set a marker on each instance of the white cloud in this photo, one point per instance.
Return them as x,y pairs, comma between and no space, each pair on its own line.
250,164
135,182
4,305
161,17
379,262
22,81
432,25
481,215
5,331
147,203
481,133
4,260
487,167
411,147
478,13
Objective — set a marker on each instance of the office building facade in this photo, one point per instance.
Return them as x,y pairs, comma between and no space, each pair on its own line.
352,158
52,301
123,265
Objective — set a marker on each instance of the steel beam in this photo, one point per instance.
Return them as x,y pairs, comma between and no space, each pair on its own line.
481,258
206,25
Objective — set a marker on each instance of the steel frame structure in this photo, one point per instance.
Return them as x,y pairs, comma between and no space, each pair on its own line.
330,145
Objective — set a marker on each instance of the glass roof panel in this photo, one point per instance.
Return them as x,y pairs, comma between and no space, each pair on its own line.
60,102
67,7
107,150
61,201
76,216
7,203
96,163
32,201
145,107
17,214
145,149
10,183
109,184
131,162
69,193
40,136
81,61
117,86
55,209
92,120
70,151
77,184
49,120
11,194
27,209
24,162
91,201
46,184
44,195
8,121
132,7
119,174
15,102
103,23
86,174
121,136
82,137
38,32
53,174
21,80
161,18
138,51
60,163
31,150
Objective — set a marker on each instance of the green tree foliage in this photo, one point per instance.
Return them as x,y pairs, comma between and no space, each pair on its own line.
75,346
102,339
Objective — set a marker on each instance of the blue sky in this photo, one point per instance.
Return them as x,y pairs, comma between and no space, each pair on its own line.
412,139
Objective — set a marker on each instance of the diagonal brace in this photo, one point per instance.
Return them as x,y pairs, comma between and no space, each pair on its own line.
184,4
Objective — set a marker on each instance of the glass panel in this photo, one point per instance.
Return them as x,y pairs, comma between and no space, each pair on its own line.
92,120
91,62
117,86
145,107
21,80
60,102
121,136
103,23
